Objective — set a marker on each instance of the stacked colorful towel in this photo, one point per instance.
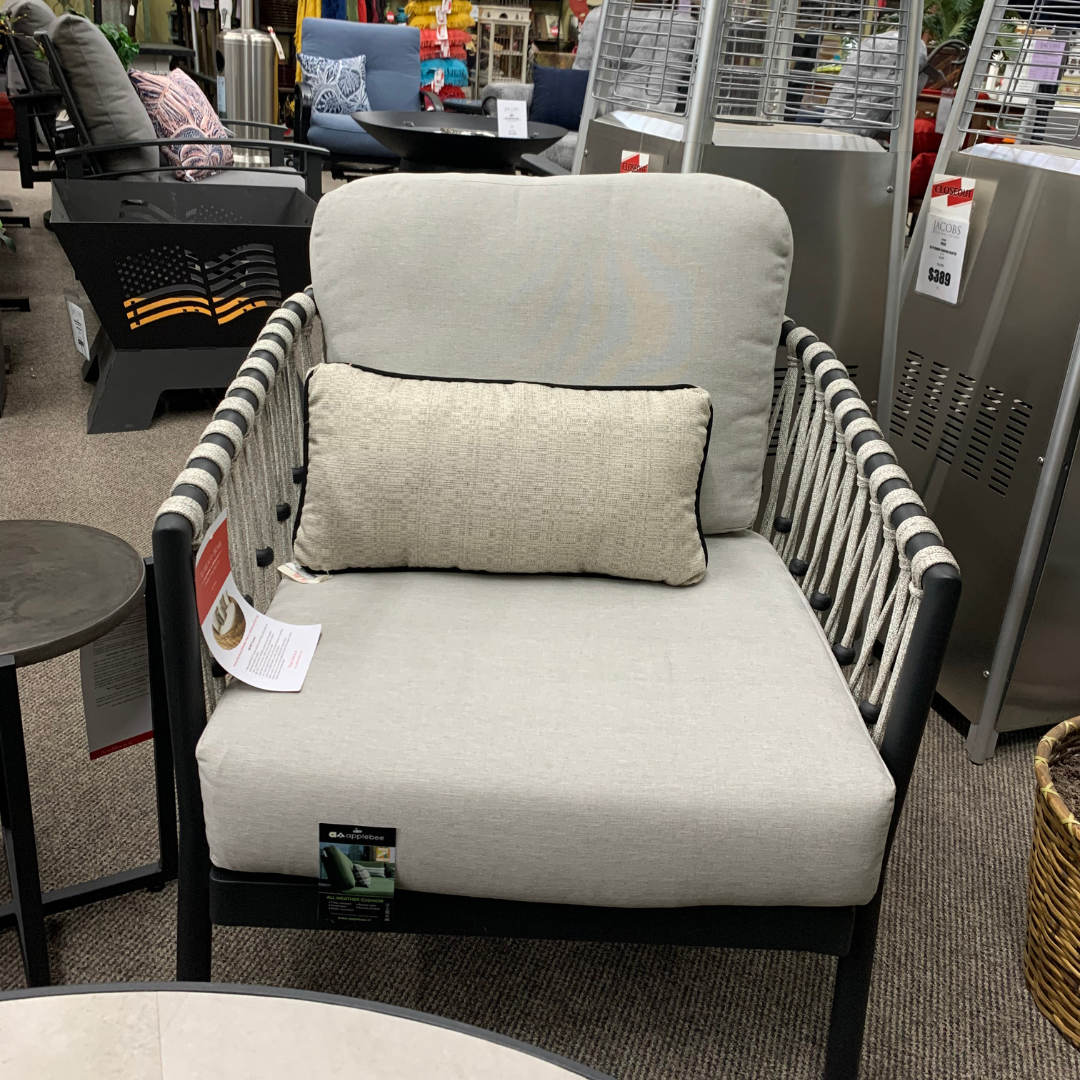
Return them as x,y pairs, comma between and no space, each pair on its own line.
444,39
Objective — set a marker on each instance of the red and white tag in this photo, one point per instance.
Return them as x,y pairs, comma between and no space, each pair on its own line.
448,6
444,49
952,195
438,80
634,161
440,17
947,224
441,33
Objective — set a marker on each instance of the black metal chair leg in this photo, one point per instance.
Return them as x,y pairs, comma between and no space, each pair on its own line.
851,995
18,825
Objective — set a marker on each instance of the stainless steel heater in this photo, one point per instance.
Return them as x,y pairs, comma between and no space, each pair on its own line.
985,406
812,100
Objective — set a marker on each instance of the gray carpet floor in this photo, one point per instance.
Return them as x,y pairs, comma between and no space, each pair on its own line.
949,999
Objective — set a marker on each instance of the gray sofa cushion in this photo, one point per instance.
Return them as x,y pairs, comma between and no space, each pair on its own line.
591,740
512,478
106,99
665,279
27,18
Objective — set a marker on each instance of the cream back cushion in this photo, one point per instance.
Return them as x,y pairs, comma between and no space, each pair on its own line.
616,280
517,478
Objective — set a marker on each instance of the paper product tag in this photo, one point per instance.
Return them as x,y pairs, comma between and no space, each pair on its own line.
948,97
441,33
474,11
277,45
297,573
77,317
249,645
131,11
633,161
444,48
357,868
513,123
438,80
448,6
221,105
947,227
115,675
440,17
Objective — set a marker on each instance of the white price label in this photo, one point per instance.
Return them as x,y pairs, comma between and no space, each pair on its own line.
947,226
440,17
438,80
513,123
944,108
78,328
441,33
277,44
221,106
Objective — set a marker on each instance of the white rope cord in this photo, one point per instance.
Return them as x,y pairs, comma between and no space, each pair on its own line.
841,524
257,478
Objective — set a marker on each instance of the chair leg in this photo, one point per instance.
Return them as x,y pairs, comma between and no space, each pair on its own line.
851,995
194,932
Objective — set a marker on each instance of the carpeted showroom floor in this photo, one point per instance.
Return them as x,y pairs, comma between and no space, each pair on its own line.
949,998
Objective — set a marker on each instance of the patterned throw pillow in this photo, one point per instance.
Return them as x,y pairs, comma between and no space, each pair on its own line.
337,86
179,109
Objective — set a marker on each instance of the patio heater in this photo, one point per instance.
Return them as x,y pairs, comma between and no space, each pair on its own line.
985,410
811,100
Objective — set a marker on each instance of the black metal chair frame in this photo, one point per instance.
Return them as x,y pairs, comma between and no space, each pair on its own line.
35,122
84,159
211,896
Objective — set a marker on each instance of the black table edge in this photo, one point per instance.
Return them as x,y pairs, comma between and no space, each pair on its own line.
310,995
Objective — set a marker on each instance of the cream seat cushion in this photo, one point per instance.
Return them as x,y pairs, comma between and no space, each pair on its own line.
560,739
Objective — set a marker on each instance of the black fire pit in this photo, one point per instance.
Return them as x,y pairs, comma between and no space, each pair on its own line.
454,142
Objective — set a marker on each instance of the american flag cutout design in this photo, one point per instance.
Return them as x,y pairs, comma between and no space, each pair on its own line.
170,280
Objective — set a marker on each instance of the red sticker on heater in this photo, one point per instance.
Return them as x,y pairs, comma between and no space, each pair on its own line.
955,190
634,162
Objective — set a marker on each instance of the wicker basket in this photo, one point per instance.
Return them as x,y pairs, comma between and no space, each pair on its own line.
1052,949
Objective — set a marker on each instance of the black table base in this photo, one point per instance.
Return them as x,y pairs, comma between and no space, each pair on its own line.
28,907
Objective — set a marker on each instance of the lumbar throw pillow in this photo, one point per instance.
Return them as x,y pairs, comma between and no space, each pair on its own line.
506,477
337,86
178,109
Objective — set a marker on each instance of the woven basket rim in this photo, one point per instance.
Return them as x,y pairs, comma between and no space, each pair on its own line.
1068,731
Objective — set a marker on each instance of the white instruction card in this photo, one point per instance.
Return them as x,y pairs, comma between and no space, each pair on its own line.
77,317
115,672
513,123
946,238
249,645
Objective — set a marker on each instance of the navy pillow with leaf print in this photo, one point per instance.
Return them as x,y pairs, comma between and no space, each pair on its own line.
337,86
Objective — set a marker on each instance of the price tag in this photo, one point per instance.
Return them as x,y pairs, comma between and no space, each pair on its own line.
277,45
448,6
441,33
440,17
946,238
444,49
944,108
513,123
78,328
438,81
633,161
221,107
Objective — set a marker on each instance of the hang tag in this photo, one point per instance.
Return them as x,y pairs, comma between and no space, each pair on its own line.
513,123
78,328
440,17
249,645
357,870
115,676
448,6
277,45
441,33
444,48
131,11
474,11
947,227
222,107
944,108
438,80
633,161
296,572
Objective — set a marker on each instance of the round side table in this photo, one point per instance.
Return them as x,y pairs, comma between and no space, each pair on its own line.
214,1031
63,586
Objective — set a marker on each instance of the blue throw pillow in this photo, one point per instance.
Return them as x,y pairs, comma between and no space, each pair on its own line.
558,96
337,86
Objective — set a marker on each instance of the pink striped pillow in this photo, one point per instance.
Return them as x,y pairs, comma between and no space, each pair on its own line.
179,109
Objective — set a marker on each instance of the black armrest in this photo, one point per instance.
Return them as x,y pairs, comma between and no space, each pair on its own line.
465,105
433,99
257,144
302,98
535,165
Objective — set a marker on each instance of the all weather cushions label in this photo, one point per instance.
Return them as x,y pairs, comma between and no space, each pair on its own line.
507,477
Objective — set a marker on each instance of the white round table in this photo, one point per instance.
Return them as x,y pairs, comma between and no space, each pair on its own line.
183,1031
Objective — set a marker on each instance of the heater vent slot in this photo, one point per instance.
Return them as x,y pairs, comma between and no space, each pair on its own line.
955,415
1012,438
904,401
982,433
930,407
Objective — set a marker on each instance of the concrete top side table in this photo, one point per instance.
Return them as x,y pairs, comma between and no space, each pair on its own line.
174,1031
63,586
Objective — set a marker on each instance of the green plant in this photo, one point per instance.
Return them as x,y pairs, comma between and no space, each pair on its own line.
949,20
124,45
6,240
